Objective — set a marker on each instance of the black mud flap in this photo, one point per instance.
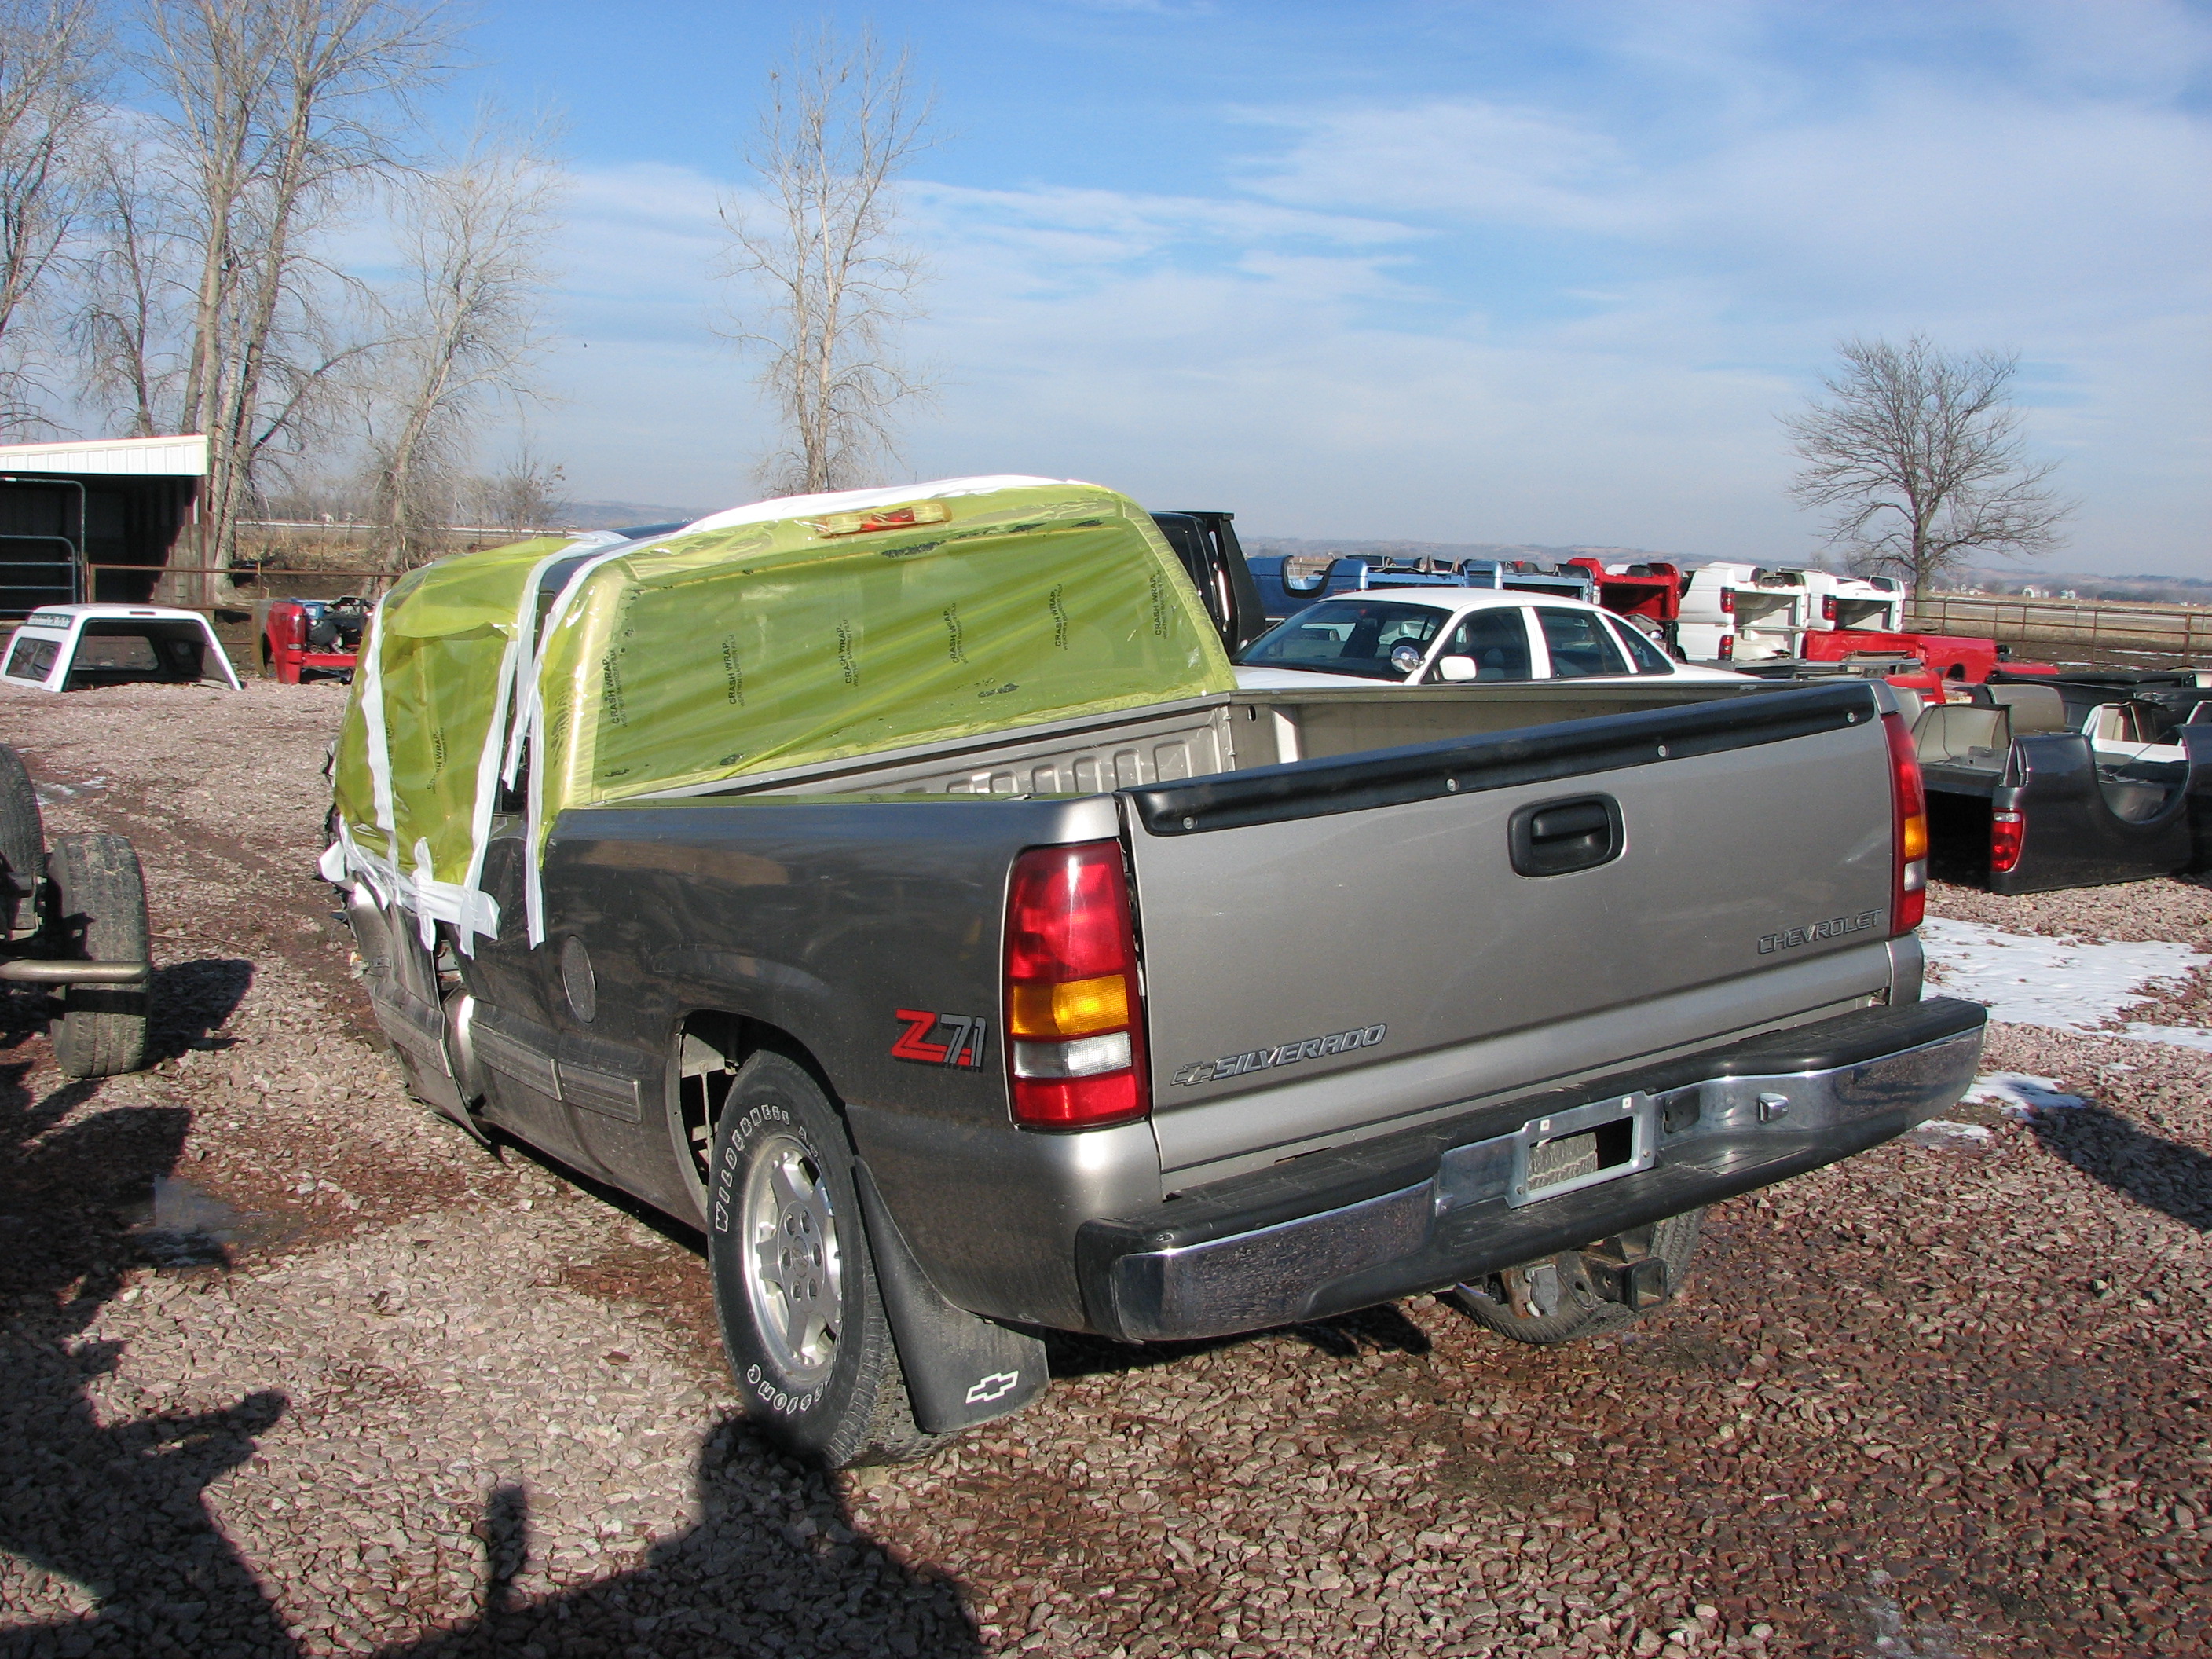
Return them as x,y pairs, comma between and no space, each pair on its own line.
961,1368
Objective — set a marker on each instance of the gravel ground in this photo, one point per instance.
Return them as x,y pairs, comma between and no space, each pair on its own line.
1945,1400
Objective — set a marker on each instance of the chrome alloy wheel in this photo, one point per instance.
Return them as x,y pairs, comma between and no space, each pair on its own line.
793,1268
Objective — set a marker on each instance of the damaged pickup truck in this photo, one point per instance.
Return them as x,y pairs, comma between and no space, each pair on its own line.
898,886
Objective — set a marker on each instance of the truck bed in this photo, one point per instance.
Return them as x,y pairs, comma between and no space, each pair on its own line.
1204,736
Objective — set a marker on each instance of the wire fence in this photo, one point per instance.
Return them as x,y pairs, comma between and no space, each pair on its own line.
214,589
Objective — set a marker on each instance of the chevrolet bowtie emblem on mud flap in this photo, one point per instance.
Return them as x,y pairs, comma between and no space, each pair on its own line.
967,1036
997,1386
1287,1053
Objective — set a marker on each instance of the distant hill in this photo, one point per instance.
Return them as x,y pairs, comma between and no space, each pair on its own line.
2086,585
621,515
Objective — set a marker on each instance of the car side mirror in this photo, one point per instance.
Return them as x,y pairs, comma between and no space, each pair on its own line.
1458,671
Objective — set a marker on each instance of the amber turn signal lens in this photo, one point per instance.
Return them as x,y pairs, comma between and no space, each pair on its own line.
1074,1007
1916,837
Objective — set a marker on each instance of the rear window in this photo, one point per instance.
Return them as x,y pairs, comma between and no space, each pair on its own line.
1582,647
30,658
1346,636
132,651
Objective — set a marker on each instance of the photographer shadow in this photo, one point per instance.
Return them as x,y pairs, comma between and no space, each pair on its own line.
773,1566
2161,1175
114,1509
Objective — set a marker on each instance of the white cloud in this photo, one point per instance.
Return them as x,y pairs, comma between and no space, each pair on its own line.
1476,320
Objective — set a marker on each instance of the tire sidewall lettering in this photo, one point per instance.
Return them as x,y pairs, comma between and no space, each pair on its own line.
722,1201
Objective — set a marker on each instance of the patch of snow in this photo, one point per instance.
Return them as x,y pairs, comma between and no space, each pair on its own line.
2066,984
2017,1095
2182,1036
1942,1132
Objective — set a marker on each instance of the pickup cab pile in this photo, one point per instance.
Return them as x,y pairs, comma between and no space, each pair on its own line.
899,886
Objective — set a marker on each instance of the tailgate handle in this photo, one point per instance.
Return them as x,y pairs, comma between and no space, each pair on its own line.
1557,837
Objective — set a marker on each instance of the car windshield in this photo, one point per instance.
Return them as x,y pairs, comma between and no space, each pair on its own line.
1346,636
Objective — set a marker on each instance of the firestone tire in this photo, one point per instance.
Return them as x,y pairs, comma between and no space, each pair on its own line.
1674,1241
802,1323
22,842
97,898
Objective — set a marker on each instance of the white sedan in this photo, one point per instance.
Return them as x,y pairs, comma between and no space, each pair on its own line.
1443,636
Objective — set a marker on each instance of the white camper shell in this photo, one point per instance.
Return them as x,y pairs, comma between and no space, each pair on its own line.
1854,602
1743,613
67,647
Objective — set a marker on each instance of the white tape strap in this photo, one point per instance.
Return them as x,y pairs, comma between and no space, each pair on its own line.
375,742
534,818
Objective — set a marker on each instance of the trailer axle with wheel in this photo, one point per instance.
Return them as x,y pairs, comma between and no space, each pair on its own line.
73,921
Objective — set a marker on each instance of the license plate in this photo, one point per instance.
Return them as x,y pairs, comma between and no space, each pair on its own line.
1583,1147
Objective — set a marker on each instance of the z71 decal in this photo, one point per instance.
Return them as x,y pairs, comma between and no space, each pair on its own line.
966,1037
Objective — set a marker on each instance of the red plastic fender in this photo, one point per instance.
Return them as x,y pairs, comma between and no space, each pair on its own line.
284,640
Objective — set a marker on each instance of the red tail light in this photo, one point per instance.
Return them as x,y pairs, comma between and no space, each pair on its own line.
2007,834
1827,607
1075,1040
1728,601
1908,805
1727,648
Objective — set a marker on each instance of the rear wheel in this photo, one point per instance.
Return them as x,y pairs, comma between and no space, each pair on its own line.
98,914
22,842
1557,1299
795,1290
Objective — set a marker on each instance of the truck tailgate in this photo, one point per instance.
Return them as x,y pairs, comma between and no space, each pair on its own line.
1334,945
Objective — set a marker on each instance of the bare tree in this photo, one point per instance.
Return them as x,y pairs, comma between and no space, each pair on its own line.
273,114
126,330
818,241
527,493
475,235
49,80
1919,455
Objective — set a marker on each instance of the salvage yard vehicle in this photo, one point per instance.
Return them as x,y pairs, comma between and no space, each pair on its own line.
1288,583
73,921
1646,593
898,885
1743,613
67,647
2153,701
1869,605
1453,636
2020,802
303,638
1207,544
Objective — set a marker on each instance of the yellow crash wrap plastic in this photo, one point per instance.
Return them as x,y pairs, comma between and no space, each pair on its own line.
579,675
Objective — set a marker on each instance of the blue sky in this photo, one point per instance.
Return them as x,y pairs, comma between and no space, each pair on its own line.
1458,272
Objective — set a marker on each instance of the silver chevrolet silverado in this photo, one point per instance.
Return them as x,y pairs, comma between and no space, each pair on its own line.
1214,1016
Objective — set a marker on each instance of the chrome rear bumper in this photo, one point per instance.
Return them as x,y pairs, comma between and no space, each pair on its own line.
1337,1231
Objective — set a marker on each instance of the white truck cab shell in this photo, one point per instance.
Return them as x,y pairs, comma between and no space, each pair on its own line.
1852,602
61,647
1743,613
